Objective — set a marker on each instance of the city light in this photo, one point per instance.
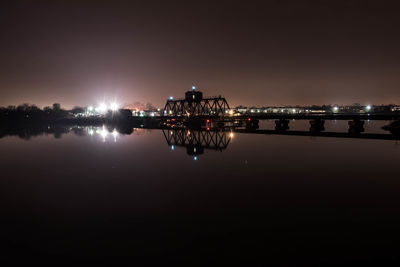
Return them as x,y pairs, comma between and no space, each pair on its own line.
114,106
171,98
231,135
368,108
335,109
193,87
102,107
231,112
172,147
90,108
195,158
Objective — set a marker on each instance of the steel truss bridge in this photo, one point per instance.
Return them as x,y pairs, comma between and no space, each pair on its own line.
189,107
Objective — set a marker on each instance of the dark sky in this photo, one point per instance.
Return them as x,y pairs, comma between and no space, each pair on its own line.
252,52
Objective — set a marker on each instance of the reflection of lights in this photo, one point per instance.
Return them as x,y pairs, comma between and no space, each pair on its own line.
231,135
172,147
104,133
114,106
115,134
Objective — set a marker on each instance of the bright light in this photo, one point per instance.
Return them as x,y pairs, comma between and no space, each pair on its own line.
195,158
90,108
172,147
104,133
102,107
91,132
193,87
231,112
368,107
171,98
294,110
335,109
115,134
114,106
231,135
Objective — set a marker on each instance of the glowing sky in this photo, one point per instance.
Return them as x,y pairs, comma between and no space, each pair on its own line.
252,52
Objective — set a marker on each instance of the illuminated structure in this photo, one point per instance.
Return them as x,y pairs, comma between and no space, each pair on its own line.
195,104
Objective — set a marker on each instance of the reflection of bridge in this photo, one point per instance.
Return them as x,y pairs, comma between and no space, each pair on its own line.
196,141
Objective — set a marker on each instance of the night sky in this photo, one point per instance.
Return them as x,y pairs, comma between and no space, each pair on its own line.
251,52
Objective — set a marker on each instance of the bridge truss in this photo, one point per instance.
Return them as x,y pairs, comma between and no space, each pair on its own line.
207,107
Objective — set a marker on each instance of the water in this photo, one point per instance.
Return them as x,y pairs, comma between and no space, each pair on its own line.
95,195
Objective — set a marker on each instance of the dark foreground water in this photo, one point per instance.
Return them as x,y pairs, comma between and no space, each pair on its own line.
104,197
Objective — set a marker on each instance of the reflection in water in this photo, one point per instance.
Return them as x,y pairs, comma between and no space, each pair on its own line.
57,130
271,196
196,141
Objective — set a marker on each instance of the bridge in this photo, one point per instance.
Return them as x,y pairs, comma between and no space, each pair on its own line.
195,105
198,111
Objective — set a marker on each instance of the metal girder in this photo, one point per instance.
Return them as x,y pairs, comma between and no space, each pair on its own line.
214,106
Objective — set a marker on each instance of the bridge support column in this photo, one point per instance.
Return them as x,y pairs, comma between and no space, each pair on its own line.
282,125
252,124
356,126
393,127
317,125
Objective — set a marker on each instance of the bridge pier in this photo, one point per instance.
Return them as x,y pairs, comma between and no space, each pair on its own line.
356,126
393,127
282,125
317,125
252,124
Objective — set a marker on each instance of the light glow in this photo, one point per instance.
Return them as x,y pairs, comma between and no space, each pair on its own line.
114,106
102,107
115,134
104,133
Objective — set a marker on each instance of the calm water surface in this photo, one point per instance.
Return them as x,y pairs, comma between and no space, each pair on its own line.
263,199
